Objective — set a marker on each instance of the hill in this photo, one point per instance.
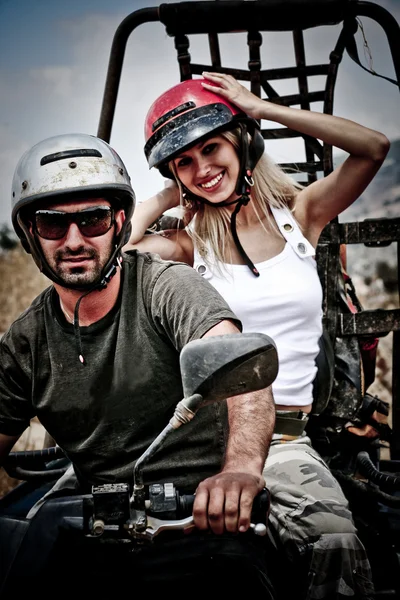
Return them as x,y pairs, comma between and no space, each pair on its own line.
382,197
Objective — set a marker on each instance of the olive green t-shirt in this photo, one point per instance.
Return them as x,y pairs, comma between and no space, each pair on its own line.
105,413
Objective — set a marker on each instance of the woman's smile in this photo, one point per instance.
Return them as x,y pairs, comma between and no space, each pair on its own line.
209,169
212,184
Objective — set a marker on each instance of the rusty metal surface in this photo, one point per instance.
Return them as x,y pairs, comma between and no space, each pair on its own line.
346,397
369,322
361,232
395,442
231,15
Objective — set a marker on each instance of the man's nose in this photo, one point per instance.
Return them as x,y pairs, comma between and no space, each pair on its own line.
73,238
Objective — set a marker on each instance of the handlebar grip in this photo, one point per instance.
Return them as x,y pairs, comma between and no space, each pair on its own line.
42,465
259,512
20,459
185,504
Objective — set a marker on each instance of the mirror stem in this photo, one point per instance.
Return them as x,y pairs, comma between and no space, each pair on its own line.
185,410
138,485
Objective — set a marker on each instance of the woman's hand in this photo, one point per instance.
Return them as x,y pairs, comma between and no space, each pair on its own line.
323,200
147,212
170,194
235,92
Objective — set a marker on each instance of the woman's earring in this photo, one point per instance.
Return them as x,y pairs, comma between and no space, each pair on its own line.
187,203
203,252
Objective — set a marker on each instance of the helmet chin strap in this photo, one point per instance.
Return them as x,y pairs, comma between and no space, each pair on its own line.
242,201
96,286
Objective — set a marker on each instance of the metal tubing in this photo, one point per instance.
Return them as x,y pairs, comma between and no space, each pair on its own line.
116,60
388,24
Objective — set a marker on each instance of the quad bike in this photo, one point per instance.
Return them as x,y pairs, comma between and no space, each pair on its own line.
346,363
113,531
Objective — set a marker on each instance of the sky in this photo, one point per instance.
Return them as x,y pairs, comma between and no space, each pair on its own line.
53,65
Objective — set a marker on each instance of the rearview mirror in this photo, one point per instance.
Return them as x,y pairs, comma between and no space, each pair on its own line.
212,369
221,366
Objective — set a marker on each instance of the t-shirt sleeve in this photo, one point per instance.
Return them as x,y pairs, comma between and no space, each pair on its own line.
185,306
15,406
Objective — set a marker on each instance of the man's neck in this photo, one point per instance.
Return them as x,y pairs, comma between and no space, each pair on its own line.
94,306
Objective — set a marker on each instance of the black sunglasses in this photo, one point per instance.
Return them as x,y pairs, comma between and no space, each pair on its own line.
92,222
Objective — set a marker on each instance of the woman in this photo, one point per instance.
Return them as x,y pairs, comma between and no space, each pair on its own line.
251,230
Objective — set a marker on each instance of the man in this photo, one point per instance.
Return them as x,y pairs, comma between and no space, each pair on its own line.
96,355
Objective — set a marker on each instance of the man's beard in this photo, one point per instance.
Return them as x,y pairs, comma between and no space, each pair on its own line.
82,276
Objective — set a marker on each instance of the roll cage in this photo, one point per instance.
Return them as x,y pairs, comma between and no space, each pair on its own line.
183,20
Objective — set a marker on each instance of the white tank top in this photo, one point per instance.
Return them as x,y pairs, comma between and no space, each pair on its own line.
284,302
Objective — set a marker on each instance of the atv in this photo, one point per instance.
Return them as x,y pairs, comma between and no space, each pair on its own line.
117,529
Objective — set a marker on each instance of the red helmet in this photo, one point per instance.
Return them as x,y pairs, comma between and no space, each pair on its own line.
186,113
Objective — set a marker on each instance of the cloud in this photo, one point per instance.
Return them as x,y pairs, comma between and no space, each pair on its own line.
46,100
63,93
57,81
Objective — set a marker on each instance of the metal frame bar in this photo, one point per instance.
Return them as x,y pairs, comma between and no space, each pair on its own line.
271,15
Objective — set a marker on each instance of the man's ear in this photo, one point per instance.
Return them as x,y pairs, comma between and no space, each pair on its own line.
119,219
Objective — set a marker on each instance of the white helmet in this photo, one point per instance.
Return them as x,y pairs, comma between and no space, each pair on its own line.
68,167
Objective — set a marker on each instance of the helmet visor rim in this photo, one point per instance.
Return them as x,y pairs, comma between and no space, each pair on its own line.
185,130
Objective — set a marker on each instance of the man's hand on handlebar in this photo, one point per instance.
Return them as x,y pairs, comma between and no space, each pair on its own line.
224,502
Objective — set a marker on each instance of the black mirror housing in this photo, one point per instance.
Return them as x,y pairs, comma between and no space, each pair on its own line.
219,367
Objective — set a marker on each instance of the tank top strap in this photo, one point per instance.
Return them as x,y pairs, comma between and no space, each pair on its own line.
291,231
199,264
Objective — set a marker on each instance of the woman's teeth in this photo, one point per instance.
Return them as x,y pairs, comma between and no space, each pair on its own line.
211,183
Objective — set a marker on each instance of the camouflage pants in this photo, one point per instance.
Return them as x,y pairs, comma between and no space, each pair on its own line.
309,510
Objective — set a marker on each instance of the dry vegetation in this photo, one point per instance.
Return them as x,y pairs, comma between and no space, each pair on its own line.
20,283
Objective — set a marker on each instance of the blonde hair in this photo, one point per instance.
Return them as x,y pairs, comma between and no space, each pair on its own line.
211,227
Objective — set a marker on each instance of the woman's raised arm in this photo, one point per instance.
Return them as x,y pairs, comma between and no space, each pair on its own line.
147,212
326,198
171,245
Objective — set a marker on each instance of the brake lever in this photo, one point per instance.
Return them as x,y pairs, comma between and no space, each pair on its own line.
156,526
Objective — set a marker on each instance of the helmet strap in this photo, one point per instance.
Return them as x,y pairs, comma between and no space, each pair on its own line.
245,172
105,280
242,202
